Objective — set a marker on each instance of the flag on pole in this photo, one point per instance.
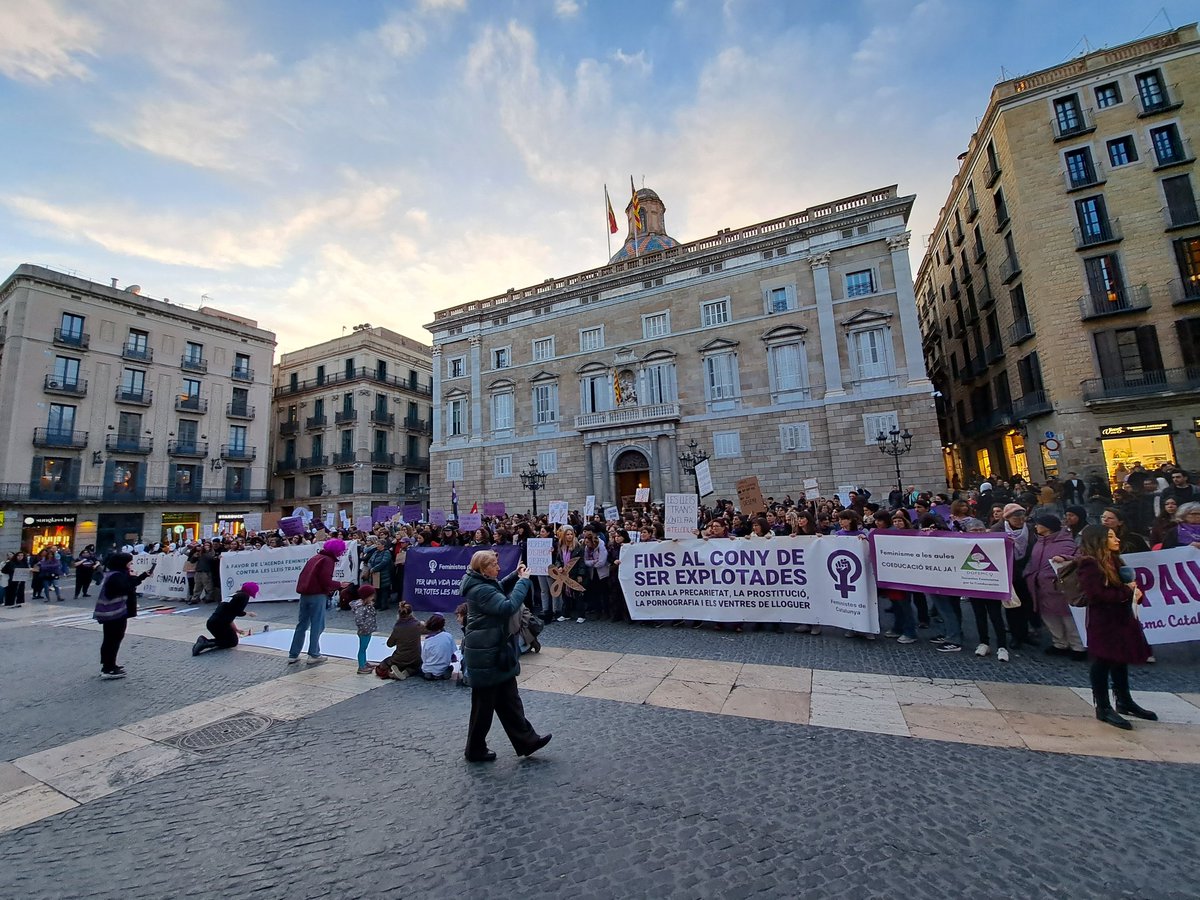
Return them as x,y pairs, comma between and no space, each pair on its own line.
475,507
612,219
616,387
454,499
635,207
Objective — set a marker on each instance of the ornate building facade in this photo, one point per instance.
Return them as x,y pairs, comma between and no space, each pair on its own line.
782,349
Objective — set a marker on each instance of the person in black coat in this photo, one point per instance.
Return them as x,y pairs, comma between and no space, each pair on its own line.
491,655
115,606
222,624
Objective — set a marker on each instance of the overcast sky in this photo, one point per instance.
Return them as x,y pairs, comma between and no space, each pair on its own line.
315,165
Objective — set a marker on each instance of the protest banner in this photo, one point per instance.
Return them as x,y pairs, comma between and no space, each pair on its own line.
704,478
641,495
612,514
538,555
558,512
432,575
412,512
168,580
750,496
470,521
589,506
437,517
327,523
843,493
681,516
253,521
276,569
383,513
291,525
344,517
810,580
494,508
1170,607
363,523
812,488
944,562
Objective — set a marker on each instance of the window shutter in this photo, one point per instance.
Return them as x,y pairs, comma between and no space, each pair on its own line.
1147,339
1108,356
1180,200
1189,341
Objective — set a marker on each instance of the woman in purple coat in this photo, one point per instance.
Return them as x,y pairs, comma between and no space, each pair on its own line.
1115,637
1057,544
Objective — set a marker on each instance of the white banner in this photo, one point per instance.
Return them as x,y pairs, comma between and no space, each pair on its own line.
812,580
538,555
944,562
168,579
276,570
682,514
1170,581
704,478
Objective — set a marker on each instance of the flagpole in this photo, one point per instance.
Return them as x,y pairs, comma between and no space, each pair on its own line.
636,217
607,230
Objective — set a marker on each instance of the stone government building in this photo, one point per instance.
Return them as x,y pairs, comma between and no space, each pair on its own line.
782,348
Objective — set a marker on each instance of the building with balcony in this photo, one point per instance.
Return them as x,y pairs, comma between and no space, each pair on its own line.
113,419
350,424
1076,343
782,348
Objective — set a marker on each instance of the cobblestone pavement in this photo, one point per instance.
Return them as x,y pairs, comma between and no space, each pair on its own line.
370,796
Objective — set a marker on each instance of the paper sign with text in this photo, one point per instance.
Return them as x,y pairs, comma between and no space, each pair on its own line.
682,513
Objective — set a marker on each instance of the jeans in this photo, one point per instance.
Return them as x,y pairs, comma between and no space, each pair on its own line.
364,641
906,620
50,583
312,620
114,633
950,609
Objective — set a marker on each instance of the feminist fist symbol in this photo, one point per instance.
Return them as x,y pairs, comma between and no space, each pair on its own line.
560,580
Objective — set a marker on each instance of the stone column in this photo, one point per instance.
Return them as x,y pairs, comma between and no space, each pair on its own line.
476,391
589,467
436,405
655,477
830,340
604,494
906,301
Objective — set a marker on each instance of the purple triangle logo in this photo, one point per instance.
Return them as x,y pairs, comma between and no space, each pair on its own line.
978,561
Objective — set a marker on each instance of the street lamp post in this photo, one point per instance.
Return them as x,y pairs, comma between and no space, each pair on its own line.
691,458
533,479
895,445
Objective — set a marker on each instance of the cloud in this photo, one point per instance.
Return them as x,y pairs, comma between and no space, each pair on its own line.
635,62
41,42
568,9
442,5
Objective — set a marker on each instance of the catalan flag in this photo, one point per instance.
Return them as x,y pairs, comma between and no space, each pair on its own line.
612,219
635,207
616,387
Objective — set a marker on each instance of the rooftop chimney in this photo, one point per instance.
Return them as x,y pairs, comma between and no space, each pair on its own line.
114,282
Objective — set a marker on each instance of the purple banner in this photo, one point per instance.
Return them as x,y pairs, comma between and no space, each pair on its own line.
493,508
432,575
363,523
383,513
412,512
437,517
470,521
291,525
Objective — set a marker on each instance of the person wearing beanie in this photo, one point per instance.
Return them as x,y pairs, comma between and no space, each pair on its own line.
222,624
1076,520
116,604
1054,546
437,650
1016,528
365,624
314,586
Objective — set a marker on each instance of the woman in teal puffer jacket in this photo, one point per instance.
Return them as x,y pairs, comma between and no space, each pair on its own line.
491,656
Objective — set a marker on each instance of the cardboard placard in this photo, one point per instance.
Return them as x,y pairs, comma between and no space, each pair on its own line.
612,514
704,478
750,496
682,513
412,512
270,521
558,512
641,495
538,555
470,521
589,506
437,517
811,488
494,509
291,525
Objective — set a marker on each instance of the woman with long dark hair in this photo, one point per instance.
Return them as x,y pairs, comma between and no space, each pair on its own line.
1115,637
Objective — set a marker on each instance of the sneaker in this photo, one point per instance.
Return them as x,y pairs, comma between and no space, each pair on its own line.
1002,654
802,629
937,640
891,634
947,647
292,660
398,673
198,646
983,650
316,660
580,620
366,670
561,619
905,639
816,629
112,673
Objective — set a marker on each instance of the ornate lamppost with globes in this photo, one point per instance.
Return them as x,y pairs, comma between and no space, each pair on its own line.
895,445
533,480
691,458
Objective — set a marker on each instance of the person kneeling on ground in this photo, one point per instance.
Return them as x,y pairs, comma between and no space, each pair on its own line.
406,639
222,623
437,650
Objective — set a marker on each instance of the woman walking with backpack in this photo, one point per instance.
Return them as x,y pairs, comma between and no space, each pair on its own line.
1115,637
115,606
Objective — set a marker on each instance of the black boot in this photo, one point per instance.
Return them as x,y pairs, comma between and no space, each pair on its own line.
1125,701
1105,712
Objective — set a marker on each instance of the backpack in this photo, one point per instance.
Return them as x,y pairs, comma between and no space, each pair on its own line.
1067,581
109,609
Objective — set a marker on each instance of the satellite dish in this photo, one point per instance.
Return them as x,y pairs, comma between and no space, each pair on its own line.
134,289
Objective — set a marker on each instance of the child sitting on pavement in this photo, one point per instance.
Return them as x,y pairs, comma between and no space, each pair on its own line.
365,623
437,650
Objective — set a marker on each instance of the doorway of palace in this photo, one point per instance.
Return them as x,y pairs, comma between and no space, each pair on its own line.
632,471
